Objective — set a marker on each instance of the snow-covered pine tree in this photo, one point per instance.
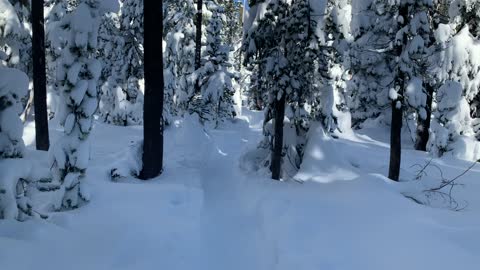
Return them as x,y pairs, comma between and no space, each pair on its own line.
458,61
451,127
16,173
282,47
330,104
465,13
233,30
121,100
426,63
372,63
55,10
407,90
215,102
13,90
79,72
18,45
179,54
121,44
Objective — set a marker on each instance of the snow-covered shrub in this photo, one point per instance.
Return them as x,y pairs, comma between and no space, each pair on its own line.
451,128
459,61
17,178
79,72
116,106
13,87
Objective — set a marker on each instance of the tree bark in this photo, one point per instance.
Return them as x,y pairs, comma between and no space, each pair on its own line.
39,77
423,125
397,105
154,89
395,142
276,167
198,42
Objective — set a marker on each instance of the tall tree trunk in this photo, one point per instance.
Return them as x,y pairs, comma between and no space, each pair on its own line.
39,77
423,125
397,105
154,89
395,141
198,42
279,112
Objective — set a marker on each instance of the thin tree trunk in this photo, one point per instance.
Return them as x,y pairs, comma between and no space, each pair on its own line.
154,90
423,125
397,106
395,142
278,137
39,77
198,42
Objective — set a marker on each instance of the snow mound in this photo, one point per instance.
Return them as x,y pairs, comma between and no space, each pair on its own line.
322,162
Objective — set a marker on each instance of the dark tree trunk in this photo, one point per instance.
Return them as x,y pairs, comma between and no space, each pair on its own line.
278,137
154,89
39,77
423,125
198,42
397,106
395,142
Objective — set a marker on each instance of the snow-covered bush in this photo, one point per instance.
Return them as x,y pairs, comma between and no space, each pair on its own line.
79,72
13,87
451,128
17,178
119,106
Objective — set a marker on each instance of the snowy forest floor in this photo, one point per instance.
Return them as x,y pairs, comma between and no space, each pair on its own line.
205,212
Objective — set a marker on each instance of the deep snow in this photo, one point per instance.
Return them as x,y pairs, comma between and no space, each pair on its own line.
204,212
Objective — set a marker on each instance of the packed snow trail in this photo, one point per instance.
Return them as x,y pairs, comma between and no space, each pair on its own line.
232,235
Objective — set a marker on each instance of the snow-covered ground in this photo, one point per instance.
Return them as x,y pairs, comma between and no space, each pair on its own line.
204,212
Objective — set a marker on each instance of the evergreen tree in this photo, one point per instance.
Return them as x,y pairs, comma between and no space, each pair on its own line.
179,56
15,183
18,45
282,48
372,61
452,127
79,72
121,99
456,62
331,101
216,96
232,30
55,42
16,173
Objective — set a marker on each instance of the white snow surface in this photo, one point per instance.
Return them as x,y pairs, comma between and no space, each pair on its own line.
205,213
